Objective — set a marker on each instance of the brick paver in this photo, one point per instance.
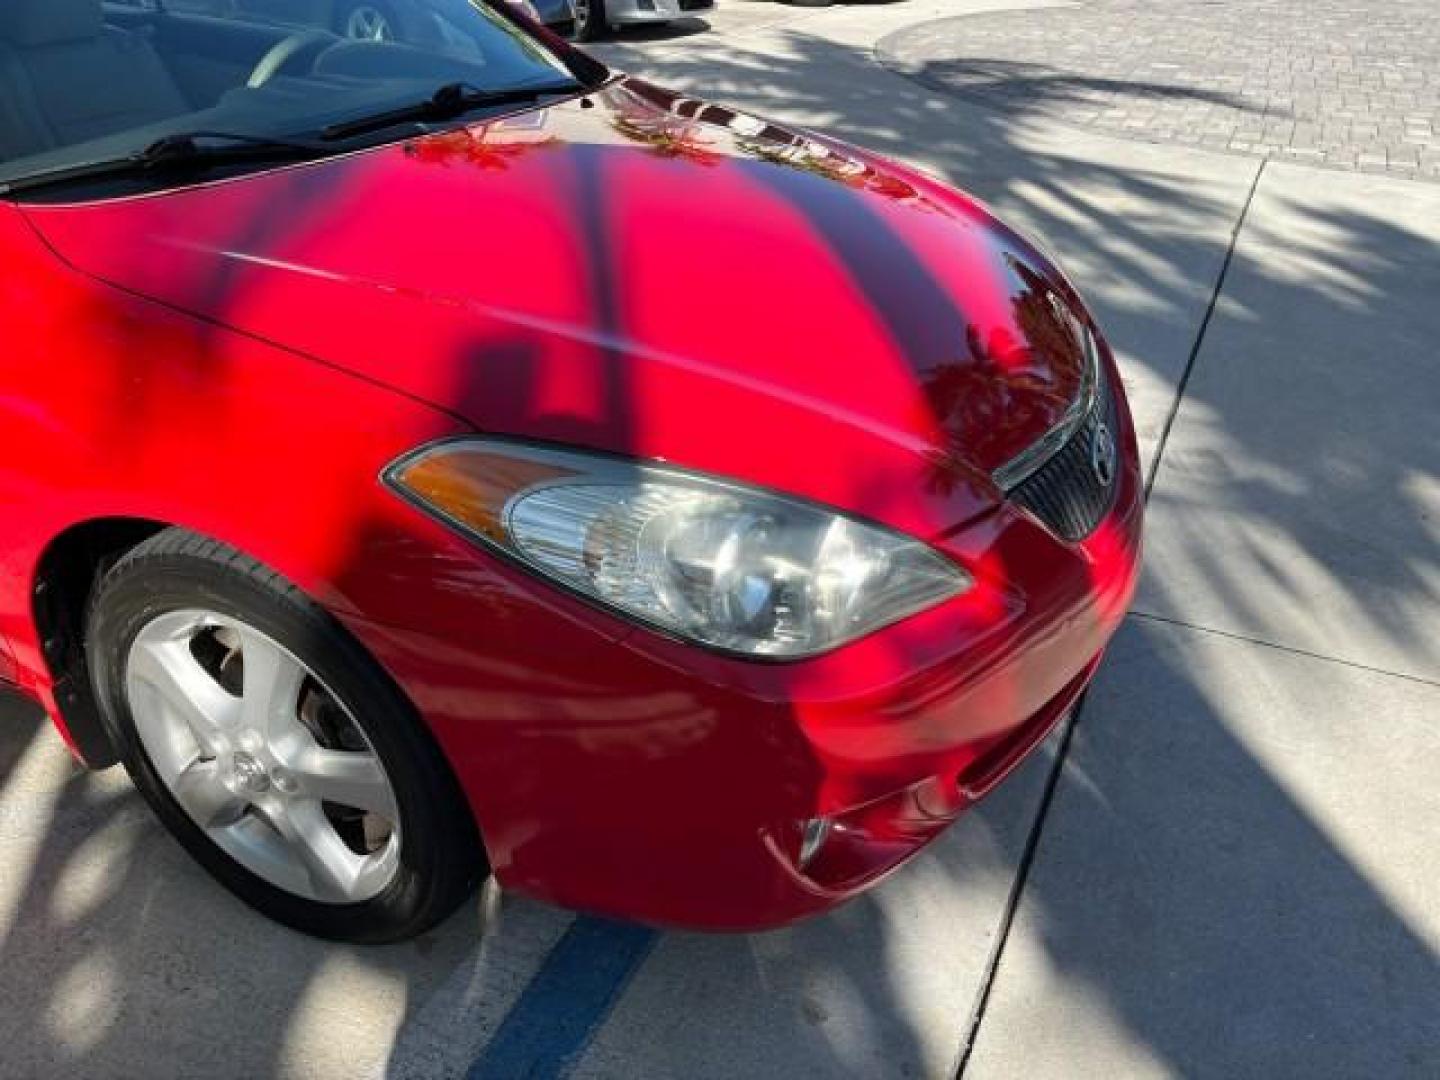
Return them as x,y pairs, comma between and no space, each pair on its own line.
1350,84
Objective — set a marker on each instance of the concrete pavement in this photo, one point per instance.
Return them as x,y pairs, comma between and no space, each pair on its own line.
1236,877
1298,500
1235,871
1238,874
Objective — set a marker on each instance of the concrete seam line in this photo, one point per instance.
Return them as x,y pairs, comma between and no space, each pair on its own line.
1247,639
1032,841
1012,902
1200,334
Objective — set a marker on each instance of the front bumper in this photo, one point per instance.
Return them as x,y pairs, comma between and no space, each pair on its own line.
637,776
615,770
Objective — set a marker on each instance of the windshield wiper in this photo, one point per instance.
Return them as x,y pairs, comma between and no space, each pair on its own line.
181,151
450,101
199,150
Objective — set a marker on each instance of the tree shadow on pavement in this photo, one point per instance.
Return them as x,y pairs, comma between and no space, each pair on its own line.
119,957
1210,892
1017,84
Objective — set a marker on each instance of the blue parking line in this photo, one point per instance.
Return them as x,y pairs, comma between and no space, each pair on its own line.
547,1031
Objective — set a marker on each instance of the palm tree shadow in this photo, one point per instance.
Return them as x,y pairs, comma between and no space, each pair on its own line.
117,953
1185,888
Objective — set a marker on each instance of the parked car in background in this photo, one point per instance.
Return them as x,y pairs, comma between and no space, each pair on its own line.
370,20
556,14
593,18
418,462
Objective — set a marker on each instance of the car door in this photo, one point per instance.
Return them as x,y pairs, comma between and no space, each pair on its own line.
28,430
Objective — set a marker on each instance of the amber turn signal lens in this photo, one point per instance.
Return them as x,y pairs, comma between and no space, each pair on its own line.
472,484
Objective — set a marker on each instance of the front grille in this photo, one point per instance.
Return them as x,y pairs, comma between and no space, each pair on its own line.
1068,493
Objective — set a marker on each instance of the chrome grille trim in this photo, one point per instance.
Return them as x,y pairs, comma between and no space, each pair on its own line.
1065,492
1019,468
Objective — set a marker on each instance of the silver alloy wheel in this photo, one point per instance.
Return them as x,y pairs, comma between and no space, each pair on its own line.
246,763
367,23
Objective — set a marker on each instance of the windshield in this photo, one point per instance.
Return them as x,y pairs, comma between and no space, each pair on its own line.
103,81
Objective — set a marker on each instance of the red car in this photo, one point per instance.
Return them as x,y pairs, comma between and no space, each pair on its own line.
423,462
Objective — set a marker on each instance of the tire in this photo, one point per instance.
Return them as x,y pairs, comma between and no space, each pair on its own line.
261,750
590,24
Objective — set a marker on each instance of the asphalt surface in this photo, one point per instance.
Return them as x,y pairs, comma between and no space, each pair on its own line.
1228,869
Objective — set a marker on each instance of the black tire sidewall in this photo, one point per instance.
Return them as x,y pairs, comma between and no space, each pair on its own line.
440,856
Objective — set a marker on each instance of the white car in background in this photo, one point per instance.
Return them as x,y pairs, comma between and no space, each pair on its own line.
363,20
593,18
397,20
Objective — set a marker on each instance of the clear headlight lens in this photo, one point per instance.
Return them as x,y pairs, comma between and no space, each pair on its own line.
715,562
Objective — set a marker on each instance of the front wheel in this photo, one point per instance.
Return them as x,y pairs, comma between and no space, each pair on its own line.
274,748
590,22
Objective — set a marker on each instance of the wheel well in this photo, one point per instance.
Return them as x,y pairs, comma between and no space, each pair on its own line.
69,570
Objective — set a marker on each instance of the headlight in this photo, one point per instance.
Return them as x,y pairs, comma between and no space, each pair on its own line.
712,561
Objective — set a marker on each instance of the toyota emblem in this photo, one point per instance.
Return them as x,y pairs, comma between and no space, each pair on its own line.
1102,455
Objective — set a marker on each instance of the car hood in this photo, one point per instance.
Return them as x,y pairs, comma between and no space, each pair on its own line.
637,272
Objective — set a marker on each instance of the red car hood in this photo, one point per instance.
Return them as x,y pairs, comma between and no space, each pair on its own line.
636,272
